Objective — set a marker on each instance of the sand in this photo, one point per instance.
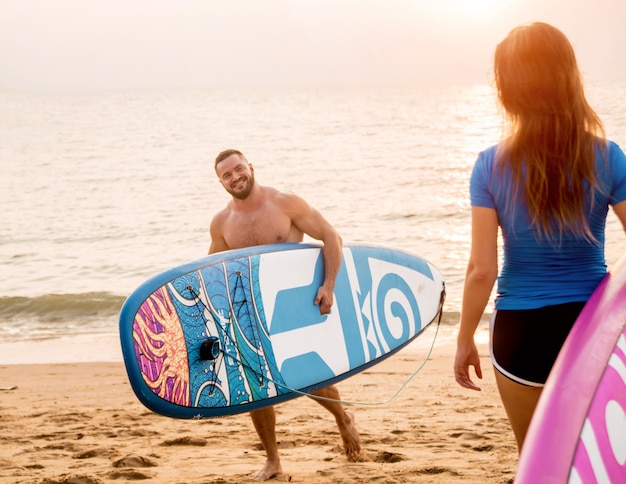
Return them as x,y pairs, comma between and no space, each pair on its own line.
81,423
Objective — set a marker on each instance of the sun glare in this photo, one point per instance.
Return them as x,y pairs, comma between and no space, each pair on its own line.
470,9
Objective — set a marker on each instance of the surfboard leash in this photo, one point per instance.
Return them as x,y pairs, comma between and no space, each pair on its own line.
347,402
439,317
263,376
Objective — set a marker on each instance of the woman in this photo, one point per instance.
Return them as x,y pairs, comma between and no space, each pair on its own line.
548,186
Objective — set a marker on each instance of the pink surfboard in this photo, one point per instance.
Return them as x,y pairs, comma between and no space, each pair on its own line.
578,432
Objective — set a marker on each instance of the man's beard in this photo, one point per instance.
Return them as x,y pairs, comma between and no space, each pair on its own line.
243,194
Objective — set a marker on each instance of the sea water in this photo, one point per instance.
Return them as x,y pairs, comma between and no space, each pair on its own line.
102,190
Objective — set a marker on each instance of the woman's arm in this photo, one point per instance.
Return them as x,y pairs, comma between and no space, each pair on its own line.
482,271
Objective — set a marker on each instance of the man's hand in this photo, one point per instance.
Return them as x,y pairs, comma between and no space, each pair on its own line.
324,299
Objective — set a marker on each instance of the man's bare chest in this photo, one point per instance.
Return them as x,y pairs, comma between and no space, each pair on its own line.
257,228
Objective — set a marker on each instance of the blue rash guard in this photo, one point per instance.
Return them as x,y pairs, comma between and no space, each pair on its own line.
537,272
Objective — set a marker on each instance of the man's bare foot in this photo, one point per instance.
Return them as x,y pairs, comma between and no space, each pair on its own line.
351,438
269,470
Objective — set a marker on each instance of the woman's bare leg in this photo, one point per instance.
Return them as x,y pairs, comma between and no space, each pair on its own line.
519,402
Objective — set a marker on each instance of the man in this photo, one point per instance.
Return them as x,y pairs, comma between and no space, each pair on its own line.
259,215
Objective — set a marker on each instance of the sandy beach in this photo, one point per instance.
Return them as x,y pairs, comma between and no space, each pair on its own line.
81,423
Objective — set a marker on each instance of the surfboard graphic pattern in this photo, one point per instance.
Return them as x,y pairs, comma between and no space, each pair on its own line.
267,340
601,451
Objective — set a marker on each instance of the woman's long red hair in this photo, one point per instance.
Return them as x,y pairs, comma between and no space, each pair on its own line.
553,132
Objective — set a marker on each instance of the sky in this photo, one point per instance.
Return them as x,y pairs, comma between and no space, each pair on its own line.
112,44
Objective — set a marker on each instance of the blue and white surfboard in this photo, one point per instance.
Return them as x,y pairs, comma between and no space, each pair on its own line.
238,330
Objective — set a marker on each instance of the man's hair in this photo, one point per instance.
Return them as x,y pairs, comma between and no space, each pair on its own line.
226,153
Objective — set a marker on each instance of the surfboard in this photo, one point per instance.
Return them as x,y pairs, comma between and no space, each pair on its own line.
238,330
578,430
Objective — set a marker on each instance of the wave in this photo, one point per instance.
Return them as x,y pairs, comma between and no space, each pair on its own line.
91,305
61,307
58,315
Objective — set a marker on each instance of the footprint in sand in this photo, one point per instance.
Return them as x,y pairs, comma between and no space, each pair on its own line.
134,461
98,452
72,479
473,436
483,448
436,471
193,441
389,457
129,475
466,435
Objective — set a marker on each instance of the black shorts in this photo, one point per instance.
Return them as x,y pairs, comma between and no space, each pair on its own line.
526,342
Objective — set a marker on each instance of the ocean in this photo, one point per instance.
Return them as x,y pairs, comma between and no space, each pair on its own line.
102,190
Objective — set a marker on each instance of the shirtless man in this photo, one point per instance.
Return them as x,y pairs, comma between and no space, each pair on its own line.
259,215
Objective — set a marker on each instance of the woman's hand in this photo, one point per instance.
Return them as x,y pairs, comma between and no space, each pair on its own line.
466,356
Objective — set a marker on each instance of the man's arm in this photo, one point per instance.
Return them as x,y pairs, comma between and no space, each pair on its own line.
332,262
218,243
312,222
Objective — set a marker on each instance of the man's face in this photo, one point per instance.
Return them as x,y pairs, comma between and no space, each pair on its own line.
236,176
